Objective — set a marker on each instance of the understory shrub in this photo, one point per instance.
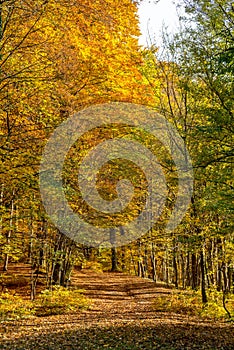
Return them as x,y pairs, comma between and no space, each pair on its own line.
49,302
94,266
189,303
13,306
60,300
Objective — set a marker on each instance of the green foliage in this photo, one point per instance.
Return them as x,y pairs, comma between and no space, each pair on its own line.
179,303
56,302
60,301
94,266
13,306
189,303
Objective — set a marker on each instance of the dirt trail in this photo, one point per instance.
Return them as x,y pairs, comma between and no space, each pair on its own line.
122,316
118,297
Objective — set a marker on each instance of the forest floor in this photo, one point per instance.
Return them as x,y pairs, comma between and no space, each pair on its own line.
122,316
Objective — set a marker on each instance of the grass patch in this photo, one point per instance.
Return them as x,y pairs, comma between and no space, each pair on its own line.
49,302
60,301
13,306
189,302
93,266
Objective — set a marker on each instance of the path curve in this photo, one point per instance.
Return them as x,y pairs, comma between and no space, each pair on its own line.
122,317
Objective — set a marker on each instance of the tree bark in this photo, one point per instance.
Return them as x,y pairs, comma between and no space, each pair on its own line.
114,264
203,283
6,258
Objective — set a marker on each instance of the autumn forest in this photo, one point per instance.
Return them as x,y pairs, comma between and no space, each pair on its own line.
59,58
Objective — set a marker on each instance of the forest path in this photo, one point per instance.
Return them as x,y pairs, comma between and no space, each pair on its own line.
122,317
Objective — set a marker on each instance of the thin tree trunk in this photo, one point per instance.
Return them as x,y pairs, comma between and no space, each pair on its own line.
154,267
194,271
175,271
34,279
203,283
114,265
188,275
8,238
219,278
133,262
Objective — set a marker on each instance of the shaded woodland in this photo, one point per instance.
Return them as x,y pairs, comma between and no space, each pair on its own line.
60,56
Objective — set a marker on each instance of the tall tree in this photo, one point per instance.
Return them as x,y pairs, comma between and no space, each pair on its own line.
196,94
57,56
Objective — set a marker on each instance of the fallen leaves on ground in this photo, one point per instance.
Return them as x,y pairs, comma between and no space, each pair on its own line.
122,316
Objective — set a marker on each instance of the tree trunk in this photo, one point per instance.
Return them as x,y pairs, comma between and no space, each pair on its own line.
114,265
203,283
154,267
188,275
6,258
194,271
219,278
175,271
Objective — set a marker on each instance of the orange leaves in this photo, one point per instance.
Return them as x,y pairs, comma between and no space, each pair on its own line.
59,56
81,52
97,55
